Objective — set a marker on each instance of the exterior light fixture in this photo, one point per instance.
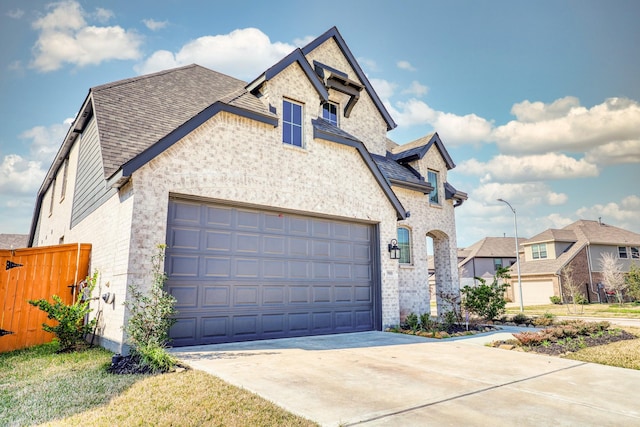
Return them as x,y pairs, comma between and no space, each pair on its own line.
394,250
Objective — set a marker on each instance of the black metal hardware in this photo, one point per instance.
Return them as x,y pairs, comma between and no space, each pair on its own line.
11,264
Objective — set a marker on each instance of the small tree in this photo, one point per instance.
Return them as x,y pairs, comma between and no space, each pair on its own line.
633,282
613,276
151,317
571,286
71,328
487,301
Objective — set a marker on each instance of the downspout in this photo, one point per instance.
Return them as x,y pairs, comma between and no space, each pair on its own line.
590,276
560,286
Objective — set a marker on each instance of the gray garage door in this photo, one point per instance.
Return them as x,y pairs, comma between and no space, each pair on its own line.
244,274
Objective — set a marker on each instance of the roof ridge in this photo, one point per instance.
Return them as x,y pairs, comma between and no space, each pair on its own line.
143,77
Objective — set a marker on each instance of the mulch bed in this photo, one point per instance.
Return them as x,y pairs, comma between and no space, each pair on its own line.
557,349
127,365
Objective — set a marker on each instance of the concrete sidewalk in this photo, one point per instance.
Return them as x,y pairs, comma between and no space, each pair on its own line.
378,378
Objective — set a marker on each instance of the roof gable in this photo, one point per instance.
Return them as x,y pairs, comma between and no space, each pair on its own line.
335,34
416,150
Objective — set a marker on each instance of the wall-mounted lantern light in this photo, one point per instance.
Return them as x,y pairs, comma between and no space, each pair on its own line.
394,250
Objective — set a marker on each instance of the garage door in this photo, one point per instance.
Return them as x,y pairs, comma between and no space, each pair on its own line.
243,274
534,293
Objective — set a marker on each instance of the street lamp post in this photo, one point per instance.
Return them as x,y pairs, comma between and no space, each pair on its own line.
515,224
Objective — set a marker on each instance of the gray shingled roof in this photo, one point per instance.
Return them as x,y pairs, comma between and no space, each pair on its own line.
584,232
395,171
133,114
13,241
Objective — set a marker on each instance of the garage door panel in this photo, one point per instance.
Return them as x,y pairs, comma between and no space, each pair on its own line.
214,328
242,274
216,240
186,296
184,266
274,295
218,216
215,296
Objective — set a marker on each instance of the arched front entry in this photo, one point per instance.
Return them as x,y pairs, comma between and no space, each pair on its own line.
443,277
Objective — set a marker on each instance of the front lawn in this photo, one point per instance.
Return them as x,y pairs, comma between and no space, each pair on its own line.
39,386
628,310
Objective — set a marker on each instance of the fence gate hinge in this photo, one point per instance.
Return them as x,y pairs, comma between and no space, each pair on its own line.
11,264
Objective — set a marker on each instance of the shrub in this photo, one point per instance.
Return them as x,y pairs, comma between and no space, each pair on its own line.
487,301
412,322
151,317
426,323
71,328
449,319
520,318
544,320
555,299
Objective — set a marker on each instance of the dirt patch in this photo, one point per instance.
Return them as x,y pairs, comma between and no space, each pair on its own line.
557,349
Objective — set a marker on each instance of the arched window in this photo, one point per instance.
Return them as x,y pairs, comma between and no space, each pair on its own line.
404,243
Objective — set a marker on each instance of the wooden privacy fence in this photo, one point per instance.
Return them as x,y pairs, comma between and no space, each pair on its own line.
35,273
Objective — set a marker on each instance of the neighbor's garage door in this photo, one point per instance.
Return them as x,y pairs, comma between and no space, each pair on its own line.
534,293
244,274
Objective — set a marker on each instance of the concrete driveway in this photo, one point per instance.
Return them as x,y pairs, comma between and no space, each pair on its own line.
378,378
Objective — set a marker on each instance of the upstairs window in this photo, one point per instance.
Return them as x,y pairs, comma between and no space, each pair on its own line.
53,195
432,178
292,123
330,113
404,243
539,251
497,263
622,252
65,172
635,254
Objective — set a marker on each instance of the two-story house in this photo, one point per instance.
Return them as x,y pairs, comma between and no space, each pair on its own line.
483,258
281,201
579,246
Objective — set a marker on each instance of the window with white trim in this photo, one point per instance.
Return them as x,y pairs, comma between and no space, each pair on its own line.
539,251
53,196
404,243
622,252
432,178
330,112
635,253
65,172
292,123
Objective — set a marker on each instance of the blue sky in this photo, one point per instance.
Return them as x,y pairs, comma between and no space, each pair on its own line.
537,102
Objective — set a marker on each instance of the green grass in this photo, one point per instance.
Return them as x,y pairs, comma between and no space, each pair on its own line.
39,386
623,354
628,310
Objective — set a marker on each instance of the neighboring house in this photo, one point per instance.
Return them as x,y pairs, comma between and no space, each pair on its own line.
579,246
278,199
13,241
483,258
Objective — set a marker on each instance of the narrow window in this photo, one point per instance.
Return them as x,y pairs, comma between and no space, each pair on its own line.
404,243
53,196
292,123
539,251
330,113
635,254
622,252
497,263
65,171
432,178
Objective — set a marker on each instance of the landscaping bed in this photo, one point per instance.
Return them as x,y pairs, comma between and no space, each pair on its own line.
565,337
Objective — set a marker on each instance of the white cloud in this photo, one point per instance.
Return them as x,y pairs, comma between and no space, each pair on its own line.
303,41
617,152
384,88
103,15
405,65
243,53
368,64
529,168
416,89
623,214
65,37
518,194
45,140
453,129
15,13
531,112
564,125
154,25
20,176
